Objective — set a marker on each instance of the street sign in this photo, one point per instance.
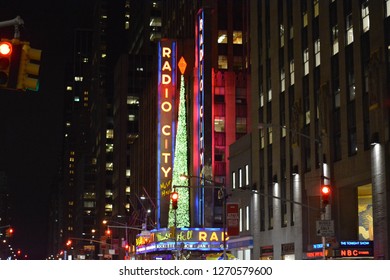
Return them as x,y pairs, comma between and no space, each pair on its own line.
325,228
232,219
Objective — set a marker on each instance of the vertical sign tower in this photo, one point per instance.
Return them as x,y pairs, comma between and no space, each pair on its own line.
166,126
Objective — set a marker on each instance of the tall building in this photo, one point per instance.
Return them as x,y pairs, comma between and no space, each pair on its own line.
77,192
217,91
320,115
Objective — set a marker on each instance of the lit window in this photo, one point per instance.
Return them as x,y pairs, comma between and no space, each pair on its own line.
240,178
155,22
316,8
233,180
109,133
109,148
269,135
219,124
108,207
365,17
307,117
240,219
281,35
237,37
222,62
261,99
292,72
247,218
335,39
387,8
282,80
262,138
304,19
247,175
108,193
349,28
131,100
109,166
317,55
222,37
306,61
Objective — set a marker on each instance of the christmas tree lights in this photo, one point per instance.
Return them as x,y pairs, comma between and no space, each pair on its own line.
180,166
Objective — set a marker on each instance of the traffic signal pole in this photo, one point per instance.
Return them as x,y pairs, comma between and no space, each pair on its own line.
16,22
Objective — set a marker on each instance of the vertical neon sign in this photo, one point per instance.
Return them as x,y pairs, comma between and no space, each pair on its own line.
166,126
200,108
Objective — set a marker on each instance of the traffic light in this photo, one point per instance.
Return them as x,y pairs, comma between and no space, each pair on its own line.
9,232
325,195
108,232
69,243
29,68
5,62
174,199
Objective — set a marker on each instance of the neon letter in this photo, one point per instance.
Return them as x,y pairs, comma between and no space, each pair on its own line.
165,128
166,79
166,171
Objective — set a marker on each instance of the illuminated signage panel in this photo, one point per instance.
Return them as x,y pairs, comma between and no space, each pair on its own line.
166,125
203,239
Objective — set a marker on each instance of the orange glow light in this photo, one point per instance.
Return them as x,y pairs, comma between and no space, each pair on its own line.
5,48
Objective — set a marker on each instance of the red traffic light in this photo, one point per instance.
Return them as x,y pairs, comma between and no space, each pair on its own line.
5,48
174,199
325,194
9,232
69,243
5,62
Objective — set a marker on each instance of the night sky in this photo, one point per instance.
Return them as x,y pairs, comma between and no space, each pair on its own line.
31,122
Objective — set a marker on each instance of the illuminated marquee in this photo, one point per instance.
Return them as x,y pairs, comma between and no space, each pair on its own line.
166,125
208,239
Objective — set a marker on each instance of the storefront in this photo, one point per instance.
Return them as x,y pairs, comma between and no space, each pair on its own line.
241,247
346,249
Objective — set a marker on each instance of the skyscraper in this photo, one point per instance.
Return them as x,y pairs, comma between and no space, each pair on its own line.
320,116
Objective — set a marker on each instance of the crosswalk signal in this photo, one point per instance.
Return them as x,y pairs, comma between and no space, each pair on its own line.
29,68
174,199
5,62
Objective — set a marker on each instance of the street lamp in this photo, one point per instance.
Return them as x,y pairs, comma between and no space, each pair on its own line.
222,194
121,225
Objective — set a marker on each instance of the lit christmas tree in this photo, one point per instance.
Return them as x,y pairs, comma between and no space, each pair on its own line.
180,164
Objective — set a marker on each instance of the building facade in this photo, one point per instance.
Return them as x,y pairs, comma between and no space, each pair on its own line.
320,115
